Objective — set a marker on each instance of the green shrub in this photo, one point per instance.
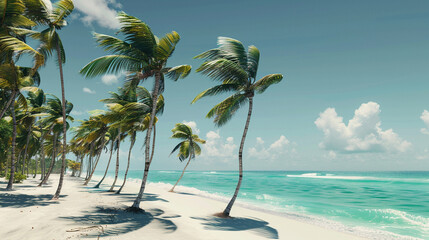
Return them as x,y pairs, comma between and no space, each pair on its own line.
18,177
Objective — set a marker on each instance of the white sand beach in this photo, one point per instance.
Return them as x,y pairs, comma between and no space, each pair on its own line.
85,212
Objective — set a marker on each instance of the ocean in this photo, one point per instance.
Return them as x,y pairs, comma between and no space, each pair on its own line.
376,205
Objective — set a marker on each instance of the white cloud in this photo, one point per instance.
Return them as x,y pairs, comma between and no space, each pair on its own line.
425,118
99,11
193,126
76,113
87,90
217,147
274,151
110,79
362,134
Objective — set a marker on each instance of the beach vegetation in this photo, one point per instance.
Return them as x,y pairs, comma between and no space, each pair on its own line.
236,71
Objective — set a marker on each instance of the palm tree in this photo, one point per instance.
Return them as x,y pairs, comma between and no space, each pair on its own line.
141,55
98,130
188,148
17,79
54,121
54,18
236,69
112,135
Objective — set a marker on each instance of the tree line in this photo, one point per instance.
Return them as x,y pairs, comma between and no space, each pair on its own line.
34,125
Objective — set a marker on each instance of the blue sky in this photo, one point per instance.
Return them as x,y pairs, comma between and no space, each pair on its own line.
366,62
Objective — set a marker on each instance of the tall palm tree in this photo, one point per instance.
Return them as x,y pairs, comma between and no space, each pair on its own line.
236,70
142,55
54,17
188,148
17,79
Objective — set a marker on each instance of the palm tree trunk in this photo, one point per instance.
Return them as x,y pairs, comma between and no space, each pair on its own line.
42,154
98,158
63,164
12,158
136,204
54,153
153,144
183,172
117,163
35,168
26,147
3,111
128,166
227,210
107,168
80,168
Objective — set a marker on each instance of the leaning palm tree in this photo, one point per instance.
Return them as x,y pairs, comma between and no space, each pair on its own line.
53,113
54,17
188,148
142,55
236,69
17,79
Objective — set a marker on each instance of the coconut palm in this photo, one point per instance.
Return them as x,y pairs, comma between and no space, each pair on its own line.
54,120
236,69
98,130
17,79
54,17
142,55
13,18
188,148
112,135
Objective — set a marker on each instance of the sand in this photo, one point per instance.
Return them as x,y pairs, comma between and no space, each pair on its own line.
89,213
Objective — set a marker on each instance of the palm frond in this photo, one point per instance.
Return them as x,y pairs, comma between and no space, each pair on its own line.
226,109
166,45
262,84
111,64
252,61
222,88
235,50
177,72
137,33
222,70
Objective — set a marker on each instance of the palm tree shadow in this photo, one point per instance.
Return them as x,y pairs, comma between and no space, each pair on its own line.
117,221
258,226
24,200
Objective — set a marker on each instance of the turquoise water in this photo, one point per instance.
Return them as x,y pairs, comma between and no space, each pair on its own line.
382,205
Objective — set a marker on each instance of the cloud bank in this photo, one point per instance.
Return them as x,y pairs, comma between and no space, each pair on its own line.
101,12
362,133
273,151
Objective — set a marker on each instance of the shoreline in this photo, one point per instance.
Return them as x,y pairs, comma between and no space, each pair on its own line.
86,212
320,221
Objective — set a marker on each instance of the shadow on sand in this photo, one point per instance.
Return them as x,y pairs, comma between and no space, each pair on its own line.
24,200
117,221
255,225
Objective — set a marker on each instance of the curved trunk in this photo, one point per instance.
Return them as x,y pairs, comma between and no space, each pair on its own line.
153,144
54,153
117,163
136,204
96,161
107,168
227,210
3,111
63,163
183,172
128,166
12,158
